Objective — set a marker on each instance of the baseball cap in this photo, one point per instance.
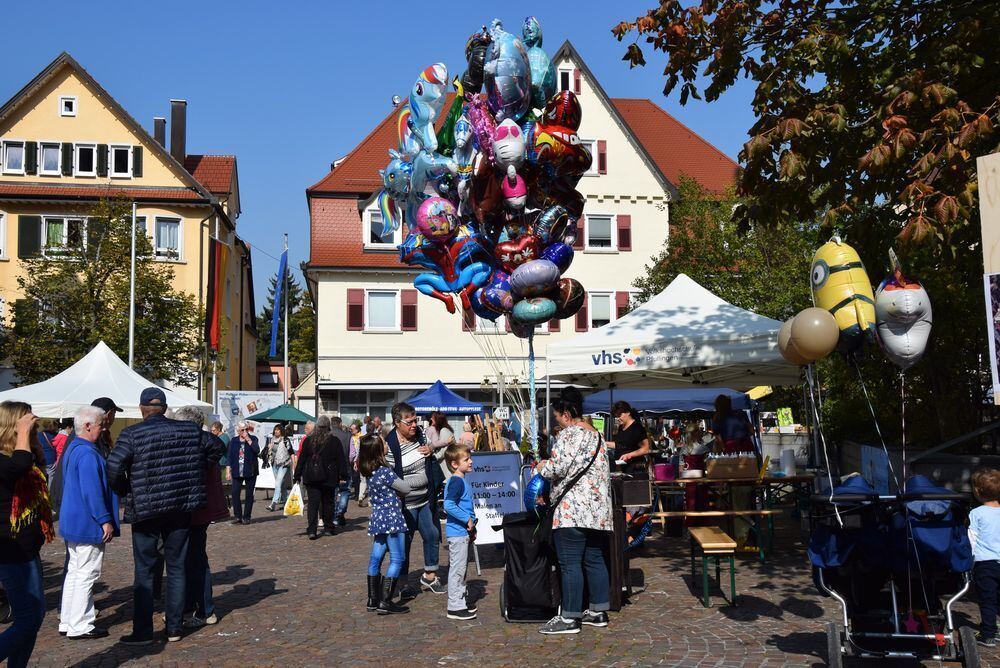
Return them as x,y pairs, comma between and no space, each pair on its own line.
106,404
152,396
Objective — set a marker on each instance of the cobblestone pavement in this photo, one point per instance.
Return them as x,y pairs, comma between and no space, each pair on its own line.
284,600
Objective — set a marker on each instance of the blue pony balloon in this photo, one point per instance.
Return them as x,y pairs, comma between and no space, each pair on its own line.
536,487
508,75
543,71
426,102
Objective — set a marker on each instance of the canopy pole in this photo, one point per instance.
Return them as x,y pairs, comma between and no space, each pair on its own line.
532,402
131,297
611,418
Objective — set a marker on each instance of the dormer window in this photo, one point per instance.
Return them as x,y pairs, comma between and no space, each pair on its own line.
67,105
569,79
376,237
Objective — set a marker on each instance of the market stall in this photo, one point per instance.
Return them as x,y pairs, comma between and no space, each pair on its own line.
439,398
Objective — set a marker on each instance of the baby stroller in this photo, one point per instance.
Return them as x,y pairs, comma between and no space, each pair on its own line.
530,591
896,565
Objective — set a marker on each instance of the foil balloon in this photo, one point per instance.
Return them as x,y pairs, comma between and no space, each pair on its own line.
496,296
483,124
534,278
840,285
464,156
457,264
569,297
543,70
480,308
536,487
533,311
559,254
507,75
515,190
551,224
521,330
476,49
516,252
508,145
814,334
437,219
426,101
903,318
556,145
785,346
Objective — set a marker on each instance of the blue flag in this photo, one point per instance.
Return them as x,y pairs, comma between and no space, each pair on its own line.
276,307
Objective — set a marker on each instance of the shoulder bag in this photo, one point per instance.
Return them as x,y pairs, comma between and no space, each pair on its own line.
545,521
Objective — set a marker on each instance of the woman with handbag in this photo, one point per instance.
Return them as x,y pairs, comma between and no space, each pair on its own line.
580,516
319,466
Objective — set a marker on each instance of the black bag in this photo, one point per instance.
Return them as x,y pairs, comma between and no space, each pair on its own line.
530,591
315,470
545,522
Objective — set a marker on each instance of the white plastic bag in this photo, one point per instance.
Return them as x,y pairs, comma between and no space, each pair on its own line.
293,506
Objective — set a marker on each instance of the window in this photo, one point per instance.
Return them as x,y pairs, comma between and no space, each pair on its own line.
374,229
13,157
62,234
591,145
382,311
166,238
50,163
67,105
600,233
121,162
356,404
485,326
267,379
600,309
565,80
86,160
3,242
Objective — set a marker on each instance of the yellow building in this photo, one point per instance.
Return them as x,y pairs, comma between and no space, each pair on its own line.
65,143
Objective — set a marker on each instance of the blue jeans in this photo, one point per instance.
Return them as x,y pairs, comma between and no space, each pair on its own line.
343,496
394,543
582,550
198,598
424,520
279,485
172,529
23,584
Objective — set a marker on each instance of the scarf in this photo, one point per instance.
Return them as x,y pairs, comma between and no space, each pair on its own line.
30,503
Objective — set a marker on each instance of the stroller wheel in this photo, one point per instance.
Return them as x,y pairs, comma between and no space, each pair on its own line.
834,646
969,648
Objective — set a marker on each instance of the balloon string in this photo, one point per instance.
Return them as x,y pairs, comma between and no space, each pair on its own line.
531,394
878,429
902,416
818,425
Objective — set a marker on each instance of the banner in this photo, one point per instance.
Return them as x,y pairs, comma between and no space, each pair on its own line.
991,284
236,405
218,255
495,480
276,306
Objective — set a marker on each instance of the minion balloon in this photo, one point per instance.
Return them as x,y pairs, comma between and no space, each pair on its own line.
840,285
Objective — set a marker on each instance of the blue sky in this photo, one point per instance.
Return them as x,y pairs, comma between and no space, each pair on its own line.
290,87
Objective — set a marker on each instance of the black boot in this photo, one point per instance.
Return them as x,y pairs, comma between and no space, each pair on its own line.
386,606
374,592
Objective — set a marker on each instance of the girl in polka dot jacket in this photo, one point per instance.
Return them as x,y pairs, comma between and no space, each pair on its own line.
386,524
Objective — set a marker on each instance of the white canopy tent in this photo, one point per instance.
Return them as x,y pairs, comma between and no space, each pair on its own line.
683,336
100,373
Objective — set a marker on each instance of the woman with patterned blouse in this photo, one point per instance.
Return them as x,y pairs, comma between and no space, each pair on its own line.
581,524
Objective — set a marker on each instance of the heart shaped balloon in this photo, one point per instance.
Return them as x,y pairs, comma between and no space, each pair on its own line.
514,253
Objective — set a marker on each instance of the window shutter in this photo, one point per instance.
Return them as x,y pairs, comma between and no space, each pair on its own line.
29,236
581,318
468,320
136,161
409,311
621,303
602,156
67,159
506,323
30,157
624,232
355,310
554,325
581,233
576,81
102,159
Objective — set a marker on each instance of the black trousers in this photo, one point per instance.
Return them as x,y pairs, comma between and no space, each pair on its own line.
242,509
320,497
987,577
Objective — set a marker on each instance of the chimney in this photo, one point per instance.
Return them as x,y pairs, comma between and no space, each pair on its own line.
160,130
178,130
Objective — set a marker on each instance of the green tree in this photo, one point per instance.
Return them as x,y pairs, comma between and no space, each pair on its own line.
301,325
76,293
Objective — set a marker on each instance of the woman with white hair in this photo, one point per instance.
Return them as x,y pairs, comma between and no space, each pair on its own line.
243,453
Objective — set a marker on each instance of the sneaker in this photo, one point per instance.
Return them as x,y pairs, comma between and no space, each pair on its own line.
193,622
237,521
91,634
461,614
594,618
173,637
985,642
211,620
559,625
135,640
434,585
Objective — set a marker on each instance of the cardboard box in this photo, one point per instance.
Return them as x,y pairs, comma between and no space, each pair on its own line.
739,467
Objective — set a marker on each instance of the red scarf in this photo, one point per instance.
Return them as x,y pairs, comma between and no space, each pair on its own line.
30,503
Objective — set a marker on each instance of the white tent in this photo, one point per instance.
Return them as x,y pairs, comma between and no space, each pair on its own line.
683,336
99,373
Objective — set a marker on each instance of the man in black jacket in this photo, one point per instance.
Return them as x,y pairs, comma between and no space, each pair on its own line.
159,466
344,486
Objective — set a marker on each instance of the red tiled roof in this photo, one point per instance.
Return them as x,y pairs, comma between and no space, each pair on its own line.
336,236
215,172
675,148
85,192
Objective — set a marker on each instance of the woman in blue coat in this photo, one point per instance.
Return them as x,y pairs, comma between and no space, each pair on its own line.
243,453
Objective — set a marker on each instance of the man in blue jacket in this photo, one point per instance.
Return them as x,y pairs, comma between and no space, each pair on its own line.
88,519
160,465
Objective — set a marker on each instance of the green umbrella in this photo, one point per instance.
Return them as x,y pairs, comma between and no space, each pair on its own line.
282,413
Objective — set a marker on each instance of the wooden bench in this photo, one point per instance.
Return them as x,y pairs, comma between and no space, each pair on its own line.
713,542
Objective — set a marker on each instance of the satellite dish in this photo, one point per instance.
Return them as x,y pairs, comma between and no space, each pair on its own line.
396,100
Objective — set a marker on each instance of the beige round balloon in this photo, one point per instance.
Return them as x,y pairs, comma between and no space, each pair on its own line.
814,333
788,351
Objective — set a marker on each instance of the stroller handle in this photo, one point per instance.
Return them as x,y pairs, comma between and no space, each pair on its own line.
860,498
936,496
843,498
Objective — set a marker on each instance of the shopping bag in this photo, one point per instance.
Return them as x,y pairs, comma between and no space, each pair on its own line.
293,506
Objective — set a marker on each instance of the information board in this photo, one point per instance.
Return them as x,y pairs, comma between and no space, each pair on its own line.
495,481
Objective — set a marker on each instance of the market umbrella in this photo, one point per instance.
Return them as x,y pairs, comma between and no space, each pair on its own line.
282,413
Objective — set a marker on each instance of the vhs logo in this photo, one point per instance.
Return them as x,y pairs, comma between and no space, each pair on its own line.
629,356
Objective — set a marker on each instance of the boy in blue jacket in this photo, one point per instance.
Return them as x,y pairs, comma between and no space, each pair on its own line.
88,519
460,527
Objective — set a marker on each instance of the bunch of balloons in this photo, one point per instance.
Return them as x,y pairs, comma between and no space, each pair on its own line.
489,199
847,315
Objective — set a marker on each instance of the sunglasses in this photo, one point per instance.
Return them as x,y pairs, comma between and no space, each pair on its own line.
502,131
410,422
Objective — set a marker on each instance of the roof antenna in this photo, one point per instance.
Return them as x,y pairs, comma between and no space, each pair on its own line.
396,100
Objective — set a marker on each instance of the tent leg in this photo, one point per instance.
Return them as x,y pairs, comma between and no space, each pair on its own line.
611,418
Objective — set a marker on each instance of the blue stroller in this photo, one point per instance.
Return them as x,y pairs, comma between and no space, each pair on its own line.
896,565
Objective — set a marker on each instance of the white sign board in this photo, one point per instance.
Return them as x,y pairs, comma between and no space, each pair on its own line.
236,405
501,413
495,481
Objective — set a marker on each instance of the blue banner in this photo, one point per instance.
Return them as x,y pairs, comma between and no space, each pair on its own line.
276,306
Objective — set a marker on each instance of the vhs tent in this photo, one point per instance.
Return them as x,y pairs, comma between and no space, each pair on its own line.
666,402
438,397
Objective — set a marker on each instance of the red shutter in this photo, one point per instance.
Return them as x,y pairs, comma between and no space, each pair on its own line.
554,325
581,318
355,309
621,303
468,321
602,156
581,232
506,322
624,232
409,311
576,81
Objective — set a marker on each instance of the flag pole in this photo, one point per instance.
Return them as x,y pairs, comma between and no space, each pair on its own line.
131,297
215,356
284,279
